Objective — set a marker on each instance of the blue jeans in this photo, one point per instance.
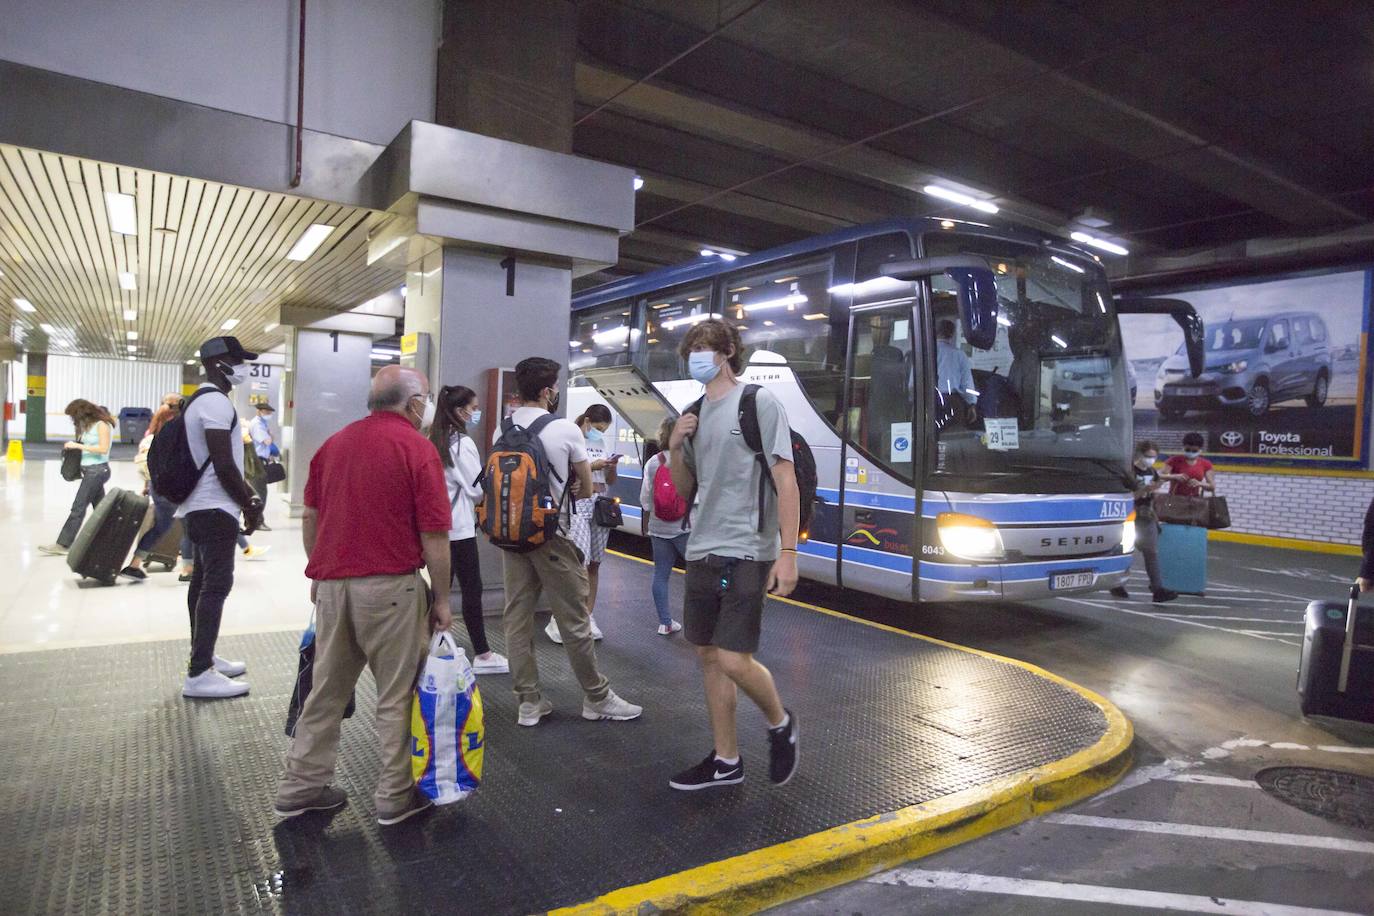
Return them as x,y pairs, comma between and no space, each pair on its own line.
667,551
164,514
89,493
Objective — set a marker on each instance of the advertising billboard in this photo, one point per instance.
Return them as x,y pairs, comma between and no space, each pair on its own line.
1285,371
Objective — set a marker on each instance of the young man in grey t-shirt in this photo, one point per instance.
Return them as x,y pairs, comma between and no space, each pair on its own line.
734,557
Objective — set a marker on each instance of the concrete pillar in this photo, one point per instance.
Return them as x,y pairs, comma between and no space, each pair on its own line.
331,373
506,70
36,400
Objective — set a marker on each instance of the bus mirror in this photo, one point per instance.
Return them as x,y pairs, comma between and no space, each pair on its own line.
977,291
1194,333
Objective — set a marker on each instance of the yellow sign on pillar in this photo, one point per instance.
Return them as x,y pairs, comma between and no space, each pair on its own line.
410,344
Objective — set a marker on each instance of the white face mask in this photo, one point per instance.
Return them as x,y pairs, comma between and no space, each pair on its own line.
702,366
426,415
238,374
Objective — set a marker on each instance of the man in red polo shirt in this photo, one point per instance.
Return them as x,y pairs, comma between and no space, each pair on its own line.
376,510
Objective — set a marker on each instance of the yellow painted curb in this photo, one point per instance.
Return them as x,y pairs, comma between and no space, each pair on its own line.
797,868
1264,540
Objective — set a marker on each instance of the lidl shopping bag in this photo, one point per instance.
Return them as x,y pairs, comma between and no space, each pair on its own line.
305,679
446,732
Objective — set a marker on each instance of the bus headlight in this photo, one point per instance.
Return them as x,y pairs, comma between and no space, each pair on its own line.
969,537
1128,534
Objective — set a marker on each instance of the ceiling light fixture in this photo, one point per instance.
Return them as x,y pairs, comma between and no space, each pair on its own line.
689,319
957,197
313,237
229,325
130,315
1098,243
132,335
794,299
127,280
1069,264
121,212
272,327
639,182
712,253
25,305
814,316
48,329
131,348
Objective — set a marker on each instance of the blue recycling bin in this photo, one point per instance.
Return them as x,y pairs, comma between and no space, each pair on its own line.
133,423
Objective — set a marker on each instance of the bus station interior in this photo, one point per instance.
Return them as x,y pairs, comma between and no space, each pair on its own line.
454,185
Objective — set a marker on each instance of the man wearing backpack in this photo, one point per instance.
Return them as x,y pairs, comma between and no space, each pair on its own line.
210,513
741,548
539,557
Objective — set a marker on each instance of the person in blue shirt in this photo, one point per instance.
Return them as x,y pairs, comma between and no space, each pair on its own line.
260,430
953,371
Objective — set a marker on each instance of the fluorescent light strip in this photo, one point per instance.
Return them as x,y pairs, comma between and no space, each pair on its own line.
1059,340
25,305
690,319
1098,243
1069,264
132,335
127,280
130,315
312,238
272,327
121,212
956,197
709,253
229,325
783,302
48,329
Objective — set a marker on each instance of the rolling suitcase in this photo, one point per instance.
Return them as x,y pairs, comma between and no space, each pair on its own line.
167,550
107,538
1183,558
1336,671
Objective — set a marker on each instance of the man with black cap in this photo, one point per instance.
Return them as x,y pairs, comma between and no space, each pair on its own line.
210,515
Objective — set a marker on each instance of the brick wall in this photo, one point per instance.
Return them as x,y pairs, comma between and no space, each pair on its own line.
1289,506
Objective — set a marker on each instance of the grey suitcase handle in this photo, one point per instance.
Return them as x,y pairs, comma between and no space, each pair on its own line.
1348,649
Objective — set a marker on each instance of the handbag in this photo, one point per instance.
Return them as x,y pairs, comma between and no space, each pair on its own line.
606,512
1173,509
305,679
1218,513
275,472
71,464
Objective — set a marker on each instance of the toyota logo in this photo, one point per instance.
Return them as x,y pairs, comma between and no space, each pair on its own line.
1231,439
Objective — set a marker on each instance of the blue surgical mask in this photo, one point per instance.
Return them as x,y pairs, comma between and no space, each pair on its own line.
702,365
1191,453
475,418
594,435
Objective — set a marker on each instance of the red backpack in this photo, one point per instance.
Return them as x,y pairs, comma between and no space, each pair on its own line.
668,505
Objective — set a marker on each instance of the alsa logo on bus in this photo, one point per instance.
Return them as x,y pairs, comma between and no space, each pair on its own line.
1116,508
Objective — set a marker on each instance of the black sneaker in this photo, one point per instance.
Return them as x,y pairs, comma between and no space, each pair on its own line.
708,774
327,798
184,577
414,805
1164,595
1119,592
782,750
133,572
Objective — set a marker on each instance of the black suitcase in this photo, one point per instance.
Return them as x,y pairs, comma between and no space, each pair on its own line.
168,547
1336,672
104,543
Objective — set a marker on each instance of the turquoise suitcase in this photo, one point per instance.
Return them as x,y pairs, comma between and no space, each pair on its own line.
1183,558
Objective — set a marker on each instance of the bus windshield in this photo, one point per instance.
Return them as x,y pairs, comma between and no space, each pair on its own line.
1048,401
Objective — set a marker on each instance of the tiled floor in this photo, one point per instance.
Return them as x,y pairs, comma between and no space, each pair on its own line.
44,605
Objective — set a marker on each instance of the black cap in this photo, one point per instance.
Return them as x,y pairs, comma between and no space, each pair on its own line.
225,346
266,406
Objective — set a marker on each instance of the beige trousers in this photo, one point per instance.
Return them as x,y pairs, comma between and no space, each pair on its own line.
555,569
380,622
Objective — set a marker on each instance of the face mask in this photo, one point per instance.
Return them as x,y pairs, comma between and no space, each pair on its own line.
238,374
427,415
475,418
595,435
1191,453
702,365
553,402
1144,463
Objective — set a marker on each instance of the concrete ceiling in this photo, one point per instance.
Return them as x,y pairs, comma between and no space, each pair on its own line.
204,253
1195,129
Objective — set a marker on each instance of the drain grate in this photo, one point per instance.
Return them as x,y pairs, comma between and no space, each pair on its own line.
1341,797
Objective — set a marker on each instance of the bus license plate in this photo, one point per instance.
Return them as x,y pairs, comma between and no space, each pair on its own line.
1073,580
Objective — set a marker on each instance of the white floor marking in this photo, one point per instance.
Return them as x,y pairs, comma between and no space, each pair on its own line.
1143,775
1178,619
1201,831
1337,749
1090,893
1296,623
1208,780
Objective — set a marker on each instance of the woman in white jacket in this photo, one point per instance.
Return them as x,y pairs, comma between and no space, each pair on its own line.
456,408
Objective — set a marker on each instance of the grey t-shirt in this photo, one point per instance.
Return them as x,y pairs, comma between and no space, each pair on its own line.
725,520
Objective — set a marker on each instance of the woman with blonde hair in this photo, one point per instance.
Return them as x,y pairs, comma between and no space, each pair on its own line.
94,432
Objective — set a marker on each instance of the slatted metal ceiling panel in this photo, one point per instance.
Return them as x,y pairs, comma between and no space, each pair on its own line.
204,253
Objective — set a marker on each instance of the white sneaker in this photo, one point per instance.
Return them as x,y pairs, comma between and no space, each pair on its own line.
228,668
531,713
551,631
212,685
596,630
495,663
254,552
613,707
669,629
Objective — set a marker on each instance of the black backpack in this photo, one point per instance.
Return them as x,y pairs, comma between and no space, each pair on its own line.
171,468
803,461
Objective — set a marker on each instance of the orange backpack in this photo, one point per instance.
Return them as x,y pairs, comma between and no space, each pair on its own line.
519,512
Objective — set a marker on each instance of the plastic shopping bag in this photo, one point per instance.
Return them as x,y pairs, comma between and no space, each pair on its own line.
446,731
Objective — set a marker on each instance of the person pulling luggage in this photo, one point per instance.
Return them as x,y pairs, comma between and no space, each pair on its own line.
94,432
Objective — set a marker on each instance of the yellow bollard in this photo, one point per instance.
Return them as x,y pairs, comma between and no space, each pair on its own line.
15,452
